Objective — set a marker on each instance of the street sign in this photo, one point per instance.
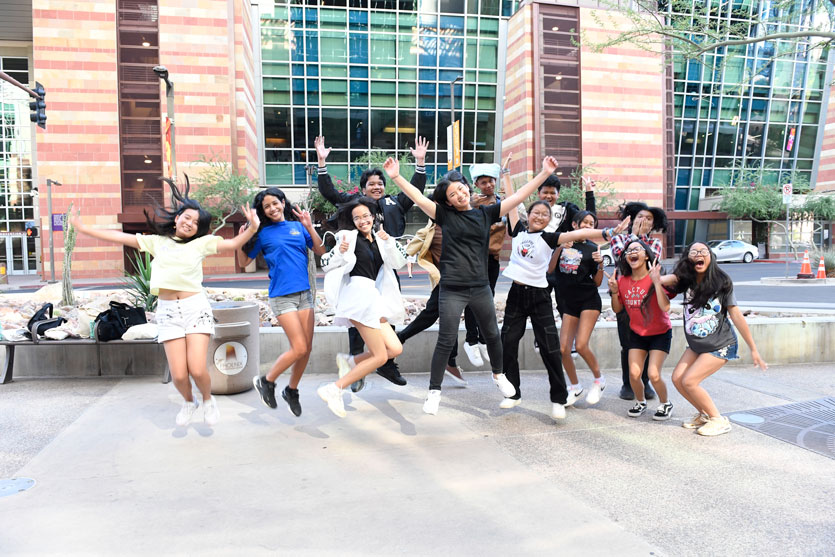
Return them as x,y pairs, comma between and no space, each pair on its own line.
787,194
449,156
453,145
57,222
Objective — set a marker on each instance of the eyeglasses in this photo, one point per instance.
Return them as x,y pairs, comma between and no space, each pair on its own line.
360,218
695,252
630,251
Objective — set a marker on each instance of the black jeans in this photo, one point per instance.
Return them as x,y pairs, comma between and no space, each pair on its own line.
524,302
451,302
623,337
426,319
474,335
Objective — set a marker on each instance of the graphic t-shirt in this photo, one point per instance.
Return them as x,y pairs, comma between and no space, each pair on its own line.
529,255
632,294
577,268
285,246
465,240
708,328
177,265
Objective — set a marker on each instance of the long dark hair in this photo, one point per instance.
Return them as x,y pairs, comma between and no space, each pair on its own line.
714,283
626,271
163,221
631,209
258,205
344,218
439,195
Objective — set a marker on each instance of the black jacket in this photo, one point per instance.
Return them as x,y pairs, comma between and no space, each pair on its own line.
392,208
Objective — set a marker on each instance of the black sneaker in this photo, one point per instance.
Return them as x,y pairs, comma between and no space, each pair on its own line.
637,410
266,390
357,386
649,393
291,397
390,371
664,412
626,393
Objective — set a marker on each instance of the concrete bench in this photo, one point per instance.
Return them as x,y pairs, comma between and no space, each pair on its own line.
100,346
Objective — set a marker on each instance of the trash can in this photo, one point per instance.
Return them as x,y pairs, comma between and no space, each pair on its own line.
234,351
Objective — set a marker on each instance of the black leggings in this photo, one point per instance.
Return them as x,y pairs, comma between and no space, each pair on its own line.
474,335
524,302
426,319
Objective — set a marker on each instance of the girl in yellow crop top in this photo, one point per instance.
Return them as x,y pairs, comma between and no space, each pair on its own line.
184,316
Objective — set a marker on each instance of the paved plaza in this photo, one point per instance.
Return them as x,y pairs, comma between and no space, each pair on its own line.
114,476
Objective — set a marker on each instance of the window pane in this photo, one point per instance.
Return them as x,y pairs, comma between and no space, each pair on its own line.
486,97
383,127
806,146
383,50
406,93
332,19
383,93
275,44
276,90
485,132
359,129
359,48
334,47
279,174
487,54
406,129
426,95
277,127
335,127
359,93
451,53
407,49
382,21
334,92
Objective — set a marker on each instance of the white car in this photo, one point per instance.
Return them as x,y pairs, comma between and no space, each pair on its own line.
733,250
606,252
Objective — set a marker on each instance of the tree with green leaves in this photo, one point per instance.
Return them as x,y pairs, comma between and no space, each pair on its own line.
222,190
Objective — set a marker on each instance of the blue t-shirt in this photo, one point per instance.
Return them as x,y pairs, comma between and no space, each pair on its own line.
285,246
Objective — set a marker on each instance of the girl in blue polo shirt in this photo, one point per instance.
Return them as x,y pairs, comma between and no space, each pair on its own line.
284,237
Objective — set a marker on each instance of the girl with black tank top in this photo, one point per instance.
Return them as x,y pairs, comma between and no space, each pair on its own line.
579,273
361,285
464,279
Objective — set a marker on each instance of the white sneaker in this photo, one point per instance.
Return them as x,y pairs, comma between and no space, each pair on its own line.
574,396
510,403
557,411
506,388
186,412
332,394
211,413
594,393
484,354
433,400
474,354
342,364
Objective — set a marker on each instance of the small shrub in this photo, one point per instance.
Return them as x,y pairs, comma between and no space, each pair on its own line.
138,284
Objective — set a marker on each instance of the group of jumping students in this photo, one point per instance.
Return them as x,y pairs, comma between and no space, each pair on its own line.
554,250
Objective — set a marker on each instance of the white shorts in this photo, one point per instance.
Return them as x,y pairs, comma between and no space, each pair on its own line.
360,301
178,318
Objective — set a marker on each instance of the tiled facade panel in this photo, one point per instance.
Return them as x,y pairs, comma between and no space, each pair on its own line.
518,134
826,168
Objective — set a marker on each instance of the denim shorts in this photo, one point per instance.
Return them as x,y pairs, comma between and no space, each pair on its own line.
296,301
178,318
730,352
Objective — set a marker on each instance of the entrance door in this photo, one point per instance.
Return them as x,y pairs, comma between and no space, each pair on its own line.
18,254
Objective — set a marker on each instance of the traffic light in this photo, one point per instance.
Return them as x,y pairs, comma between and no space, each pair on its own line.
38,107
31,229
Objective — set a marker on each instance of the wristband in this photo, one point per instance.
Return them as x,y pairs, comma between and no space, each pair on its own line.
505,171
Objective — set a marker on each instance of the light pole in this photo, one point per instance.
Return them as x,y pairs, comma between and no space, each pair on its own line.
49,184
459,79
162,73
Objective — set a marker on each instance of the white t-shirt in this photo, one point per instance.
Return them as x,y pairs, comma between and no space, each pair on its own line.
177,265
529,255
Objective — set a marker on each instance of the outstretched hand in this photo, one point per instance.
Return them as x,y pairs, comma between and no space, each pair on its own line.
758,361
588,184
622,227
303,216
383,235
392,168
655,273
549,164
322,152
419,152
252,219
597,257
613,282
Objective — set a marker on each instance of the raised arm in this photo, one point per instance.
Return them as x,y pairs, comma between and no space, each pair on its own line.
236,243
617,306
392,168
593,234
307,222
507,186
660,291
591,204
323,179
114,236
549,165
419,177
242,257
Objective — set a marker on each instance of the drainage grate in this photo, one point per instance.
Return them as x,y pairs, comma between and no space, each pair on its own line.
15,485
809,424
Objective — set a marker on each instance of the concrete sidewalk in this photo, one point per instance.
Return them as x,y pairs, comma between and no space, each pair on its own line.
114,476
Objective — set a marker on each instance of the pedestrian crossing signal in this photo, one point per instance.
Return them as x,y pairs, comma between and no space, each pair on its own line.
31,229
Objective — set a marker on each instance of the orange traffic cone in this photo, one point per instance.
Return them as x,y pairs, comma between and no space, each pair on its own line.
805,267
821,270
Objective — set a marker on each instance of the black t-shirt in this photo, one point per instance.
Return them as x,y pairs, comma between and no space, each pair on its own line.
369,259
465,245
576,268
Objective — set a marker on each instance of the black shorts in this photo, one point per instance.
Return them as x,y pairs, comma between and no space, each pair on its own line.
578,302
652,342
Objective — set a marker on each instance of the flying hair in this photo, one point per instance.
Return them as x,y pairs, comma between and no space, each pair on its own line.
163,222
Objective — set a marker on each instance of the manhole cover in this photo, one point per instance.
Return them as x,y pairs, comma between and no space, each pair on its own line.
15,485
809,424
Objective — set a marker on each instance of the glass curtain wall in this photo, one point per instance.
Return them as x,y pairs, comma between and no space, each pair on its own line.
745,106
17,197
375,75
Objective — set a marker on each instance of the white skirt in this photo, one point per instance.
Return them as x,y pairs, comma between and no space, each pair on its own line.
360,301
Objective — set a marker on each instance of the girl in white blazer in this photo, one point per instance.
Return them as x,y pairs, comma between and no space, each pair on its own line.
361,286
